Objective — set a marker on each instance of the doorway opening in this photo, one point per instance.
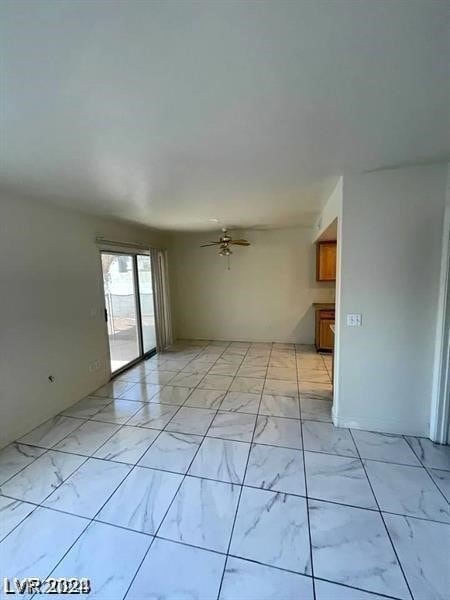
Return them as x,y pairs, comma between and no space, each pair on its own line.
129,307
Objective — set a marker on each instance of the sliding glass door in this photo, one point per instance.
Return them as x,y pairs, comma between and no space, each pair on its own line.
127,281
144,271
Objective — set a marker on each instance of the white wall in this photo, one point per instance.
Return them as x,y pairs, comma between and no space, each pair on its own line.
266,296
329,227
50,281
390,260
440,409
331,211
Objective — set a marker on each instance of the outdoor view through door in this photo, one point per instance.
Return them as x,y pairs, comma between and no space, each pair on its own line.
127,280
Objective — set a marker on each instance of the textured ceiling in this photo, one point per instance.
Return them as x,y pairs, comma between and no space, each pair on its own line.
175,113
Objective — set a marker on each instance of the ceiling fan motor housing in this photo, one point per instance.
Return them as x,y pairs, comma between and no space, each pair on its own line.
225,241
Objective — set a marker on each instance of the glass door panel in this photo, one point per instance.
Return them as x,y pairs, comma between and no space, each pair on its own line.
144,270
120,303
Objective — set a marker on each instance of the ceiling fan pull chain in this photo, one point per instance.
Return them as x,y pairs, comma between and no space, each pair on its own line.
228,260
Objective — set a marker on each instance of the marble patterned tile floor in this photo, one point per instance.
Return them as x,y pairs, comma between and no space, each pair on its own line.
213,471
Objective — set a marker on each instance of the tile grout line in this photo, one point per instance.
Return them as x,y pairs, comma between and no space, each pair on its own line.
91,520
384,522
306,486
241,490
120,397
282,569
427,469
40,504
220,553
253,487
160,431
169,506
146,403
46,450
85,420
435,483
277,568
368,592
36,506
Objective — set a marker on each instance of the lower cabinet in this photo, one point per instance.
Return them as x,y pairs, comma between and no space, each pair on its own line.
324,335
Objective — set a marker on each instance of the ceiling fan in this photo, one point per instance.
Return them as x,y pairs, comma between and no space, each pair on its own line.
225,241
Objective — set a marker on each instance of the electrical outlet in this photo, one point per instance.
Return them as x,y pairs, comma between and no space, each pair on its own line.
354,320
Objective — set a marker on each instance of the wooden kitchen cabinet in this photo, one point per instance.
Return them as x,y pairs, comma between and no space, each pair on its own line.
326,261
324,334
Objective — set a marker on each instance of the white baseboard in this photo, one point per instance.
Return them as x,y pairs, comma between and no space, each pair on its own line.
380,425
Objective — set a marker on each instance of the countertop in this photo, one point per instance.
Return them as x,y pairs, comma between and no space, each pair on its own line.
324,305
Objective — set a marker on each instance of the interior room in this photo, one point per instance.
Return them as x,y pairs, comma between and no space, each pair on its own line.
225,299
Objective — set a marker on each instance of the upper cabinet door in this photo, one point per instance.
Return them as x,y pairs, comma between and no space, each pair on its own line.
326,261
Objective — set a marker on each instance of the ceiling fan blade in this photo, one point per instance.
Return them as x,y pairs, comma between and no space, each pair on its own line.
209,244
240,242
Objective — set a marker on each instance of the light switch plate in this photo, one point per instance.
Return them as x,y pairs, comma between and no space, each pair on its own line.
354,320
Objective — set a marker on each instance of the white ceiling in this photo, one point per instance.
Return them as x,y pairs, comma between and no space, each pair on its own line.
174,113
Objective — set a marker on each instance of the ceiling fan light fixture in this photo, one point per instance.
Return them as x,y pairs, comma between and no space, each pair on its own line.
224,243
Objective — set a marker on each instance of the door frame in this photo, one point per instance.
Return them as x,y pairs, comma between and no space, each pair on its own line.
133,253
138,305
440,406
